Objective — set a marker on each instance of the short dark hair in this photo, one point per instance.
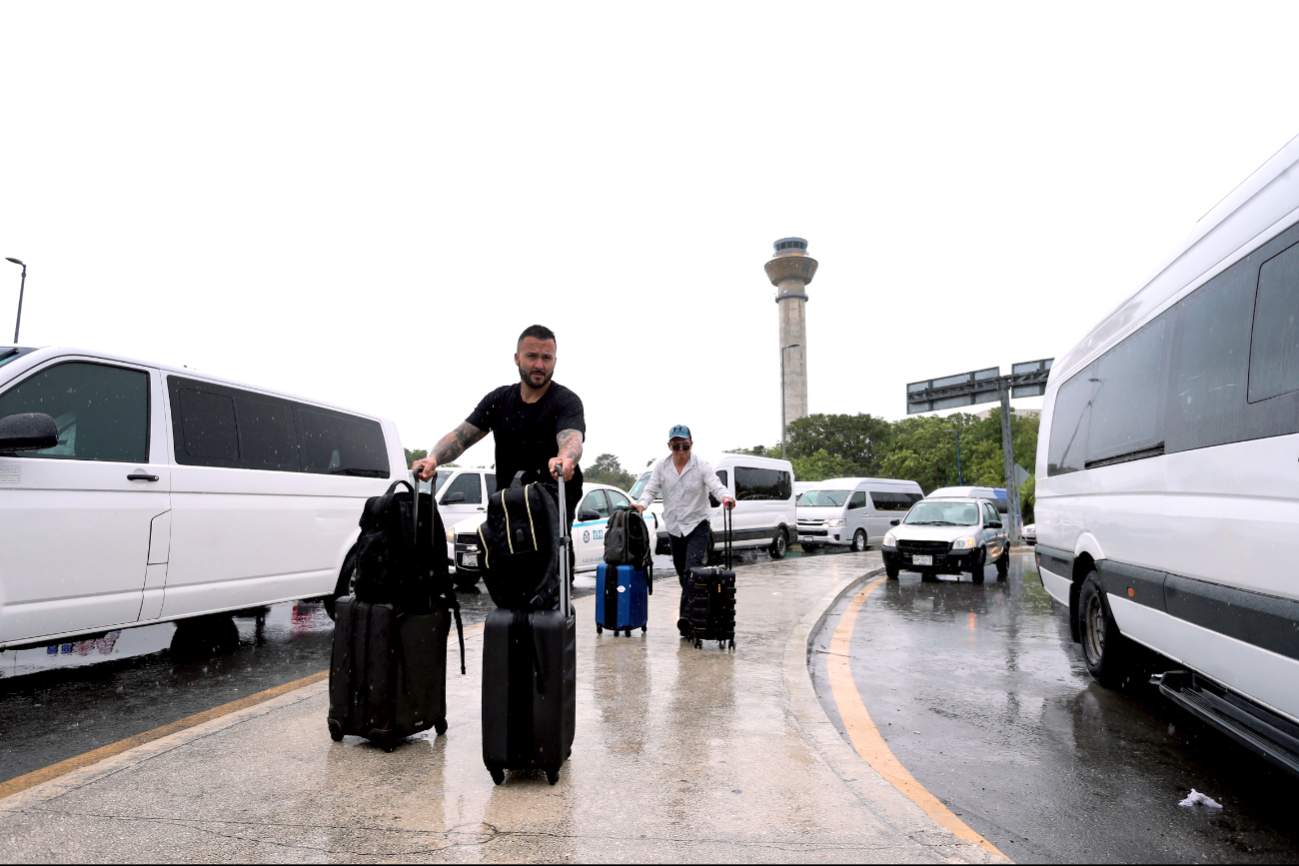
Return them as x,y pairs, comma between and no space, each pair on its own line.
540,332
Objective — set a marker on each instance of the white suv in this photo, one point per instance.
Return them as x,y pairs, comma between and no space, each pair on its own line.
947,536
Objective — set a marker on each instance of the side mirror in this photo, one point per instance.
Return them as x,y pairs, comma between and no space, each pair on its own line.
29,431
895,521
453,498
996,524
588,514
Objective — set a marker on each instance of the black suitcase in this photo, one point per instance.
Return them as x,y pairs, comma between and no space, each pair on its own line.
530,682
710,599
387,677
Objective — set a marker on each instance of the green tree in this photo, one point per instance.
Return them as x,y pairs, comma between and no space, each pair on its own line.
822,465
859,441
413,454
923,449
608,470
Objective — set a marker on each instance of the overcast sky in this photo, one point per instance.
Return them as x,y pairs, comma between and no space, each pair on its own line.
365,205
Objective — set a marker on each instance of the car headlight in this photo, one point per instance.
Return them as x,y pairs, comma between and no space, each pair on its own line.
838,521
964,543
890,540
451,536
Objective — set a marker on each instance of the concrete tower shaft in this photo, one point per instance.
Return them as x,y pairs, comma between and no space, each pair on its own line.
790,270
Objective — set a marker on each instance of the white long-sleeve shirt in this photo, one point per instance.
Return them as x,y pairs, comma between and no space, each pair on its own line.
685,493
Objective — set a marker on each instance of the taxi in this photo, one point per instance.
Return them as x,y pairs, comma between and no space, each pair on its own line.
598,502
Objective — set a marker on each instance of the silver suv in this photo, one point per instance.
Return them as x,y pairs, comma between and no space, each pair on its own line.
947,536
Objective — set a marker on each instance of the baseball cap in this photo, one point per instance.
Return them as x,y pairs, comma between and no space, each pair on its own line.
680,431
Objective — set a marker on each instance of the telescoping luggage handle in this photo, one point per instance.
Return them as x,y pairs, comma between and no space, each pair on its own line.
432,528
728,530
564,540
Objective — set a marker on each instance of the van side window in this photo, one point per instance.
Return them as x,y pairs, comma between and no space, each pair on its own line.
1126,412
752,483
469,485
858,499
266,435
102,412
208,427
721,476
893,501
1274,353
338,444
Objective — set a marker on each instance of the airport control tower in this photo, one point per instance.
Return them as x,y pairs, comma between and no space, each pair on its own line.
790,270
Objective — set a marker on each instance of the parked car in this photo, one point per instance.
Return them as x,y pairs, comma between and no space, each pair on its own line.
852,511
947,536
1029,534
598,502
132,493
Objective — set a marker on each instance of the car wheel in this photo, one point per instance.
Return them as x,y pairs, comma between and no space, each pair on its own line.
980,563
859,541
891,571
779,545
1106,651
1003,563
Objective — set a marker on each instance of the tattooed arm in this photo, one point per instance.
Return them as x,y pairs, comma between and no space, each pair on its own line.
570,452
449,447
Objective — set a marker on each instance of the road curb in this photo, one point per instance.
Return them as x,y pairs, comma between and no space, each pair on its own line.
840,757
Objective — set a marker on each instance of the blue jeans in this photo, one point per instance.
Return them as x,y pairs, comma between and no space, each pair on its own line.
688,552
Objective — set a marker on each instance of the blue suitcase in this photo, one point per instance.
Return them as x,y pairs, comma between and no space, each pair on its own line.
622,598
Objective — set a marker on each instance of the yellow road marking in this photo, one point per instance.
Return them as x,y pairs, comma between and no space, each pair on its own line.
45,774
866,738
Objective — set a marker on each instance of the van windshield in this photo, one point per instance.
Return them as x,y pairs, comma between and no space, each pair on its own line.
824,498
943,514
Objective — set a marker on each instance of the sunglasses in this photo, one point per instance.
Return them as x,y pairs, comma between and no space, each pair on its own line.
679,446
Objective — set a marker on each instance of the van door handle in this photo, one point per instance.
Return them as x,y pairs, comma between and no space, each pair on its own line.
141,476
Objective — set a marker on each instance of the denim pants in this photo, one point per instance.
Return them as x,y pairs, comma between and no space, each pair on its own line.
689,551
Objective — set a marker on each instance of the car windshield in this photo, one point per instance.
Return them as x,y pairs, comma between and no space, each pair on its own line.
824,498
934,513
640,485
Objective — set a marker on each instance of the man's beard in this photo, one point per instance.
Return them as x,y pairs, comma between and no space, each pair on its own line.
526,376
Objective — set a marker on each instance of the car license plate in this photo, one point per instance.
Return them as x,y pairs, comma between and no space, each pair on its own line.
469,559
922,559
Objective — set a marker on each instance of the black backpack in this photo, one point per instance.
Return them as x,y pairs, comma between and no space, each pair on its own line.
520,548
627,542
399,564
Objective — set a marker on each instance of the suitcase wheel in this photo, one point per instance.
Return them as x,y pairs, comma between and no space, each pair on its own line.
498,776
599,629
732,644
389,747
698,644
552,776
643,629
440,726
335,731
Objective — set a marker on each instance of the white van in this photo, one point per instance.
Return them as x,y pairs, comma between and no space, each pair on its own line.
852,512
156,494
1167,488
765,514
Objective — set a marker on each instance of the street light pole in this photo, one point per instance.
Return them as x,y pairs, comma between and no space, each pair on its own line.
22,286
783,349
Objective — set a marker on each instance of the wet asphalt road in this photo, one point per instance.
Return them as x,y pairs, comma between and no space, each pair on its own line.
62,701
982,695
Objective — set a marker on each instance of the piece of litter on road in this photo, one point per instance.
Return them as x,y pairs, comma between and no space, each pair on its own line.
1198,799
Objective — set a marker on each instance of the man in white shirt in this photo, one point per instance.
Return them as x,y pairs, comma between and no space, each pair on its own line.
684,481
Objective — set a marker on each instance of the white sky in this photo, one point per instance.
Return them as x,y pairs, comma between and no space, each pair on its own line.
366,204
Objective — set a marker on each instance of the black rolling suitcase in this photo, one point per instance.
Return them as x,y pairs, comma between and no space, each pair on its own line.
530,668
710,599
387,679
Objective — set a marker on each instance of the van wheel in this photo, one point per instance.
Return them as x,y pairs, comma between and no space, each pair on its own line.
859,544
779,545
1106,651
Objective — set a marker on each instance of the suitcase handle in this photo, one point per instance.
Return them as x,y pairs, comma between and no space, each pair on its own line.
728,530
564,539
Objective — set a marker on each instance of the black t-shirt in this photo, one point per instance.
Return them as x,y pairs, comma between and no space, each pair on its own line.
525,432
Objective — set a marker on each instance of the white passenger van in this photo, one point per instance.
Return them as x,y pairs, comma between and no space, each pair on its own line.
157,494
765,514
852,512
1167,474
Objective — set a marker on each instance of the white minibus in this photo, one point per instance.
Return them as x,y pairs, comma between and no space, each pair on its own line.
132,493
1168,471
855,512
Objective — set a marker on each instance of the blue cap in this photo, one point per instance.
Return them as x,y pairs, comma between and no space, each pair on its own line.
680,431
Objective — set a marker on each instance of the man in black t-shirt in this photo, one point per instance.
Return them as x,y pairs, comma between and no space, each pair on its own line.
537,423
